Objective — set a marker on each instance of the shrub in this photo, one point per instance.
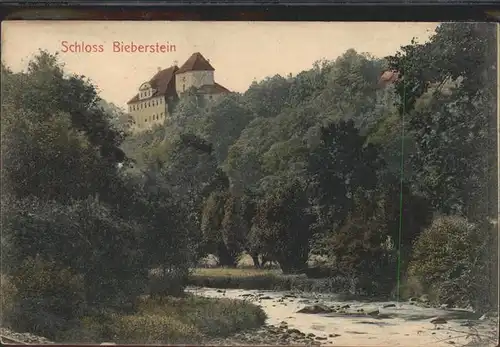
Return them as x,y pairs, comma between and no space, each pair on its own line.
82,235
362,254
265,280
211,317
411,288
153,328
7,298
449,261
168,282
162,320
48,298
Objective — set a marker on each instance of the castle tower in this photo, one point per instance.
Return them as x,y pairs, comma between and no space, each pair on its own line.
195,72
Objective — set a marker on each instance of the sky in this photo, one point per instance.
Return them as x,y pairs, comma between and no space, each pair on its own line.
240,52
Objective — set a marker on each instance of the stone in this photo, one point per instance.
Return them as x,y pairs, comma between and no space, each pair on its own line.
389,305
424,298
314,309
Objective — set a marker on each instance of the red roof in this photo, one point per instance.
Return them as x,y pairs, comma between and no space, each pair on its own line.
389,77
163,82
196,62
215,88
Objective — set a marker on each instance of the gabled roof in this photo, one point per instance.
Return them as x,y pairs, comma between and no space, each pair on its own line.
163,82
196,62
215,88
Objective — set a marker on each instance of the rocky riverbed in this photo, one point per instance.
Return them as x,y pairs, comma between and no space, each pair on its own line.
309,319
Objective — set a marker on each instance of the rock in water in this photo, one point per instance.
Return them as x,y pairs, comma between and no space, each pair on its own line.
315,309
438,321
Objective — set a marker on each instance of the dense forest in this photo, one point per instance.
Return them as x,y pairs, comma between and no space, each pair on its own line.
393,185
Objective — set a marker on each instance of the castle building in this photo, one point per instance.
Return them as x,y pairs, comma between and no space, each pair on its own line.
155,98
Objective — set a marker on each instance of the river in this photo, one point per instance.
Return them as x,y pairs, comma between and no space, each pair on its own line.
395,324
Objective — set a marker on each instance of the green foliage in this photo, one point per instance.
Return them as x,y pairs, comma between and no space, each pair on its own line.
339,167
336,130
449,261
84,236
170,320
93,229
308,164
267,98
363,252
47,298
454,129
283,222
7,299
224,123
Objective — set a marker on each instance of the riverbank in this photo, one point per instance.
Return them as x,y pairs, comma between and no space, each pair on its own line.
262,279
165,320
306,319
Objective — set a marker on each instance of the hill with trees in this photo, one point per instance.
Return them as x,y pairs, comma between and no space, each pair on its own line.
332,162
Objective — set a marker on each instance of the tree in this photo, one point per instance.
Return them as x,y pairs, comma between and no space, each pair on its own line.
224,123
68,203
61,116
268,98
283,222
211,228
340,166
454,127
446,98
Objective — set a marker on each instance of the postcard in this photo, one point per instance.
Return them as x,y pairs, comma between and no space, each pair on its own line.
249,183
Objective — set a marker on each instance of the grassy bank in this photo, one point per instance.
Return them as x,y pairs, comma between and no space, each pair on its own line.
258,279
170,320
